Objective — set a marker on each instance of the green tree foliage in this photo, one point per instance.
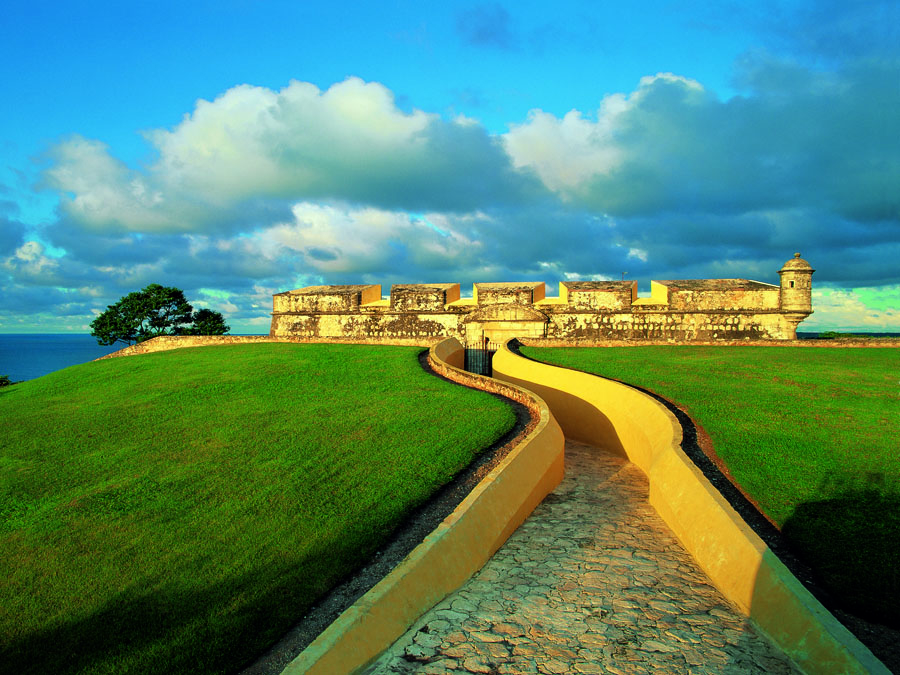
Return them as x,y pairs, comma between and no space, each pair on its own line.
207,322
156,310
5,381
833,335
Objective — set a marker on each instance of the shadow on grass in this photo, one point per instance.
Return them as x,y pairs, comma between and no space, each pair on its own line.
852,541
9,388
166,630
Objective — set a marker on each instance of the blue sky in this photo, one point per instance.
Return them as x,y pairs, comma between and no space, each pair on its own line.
237,149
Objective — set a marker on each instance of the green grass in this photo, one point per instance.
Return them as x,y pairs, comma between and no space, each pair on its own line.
811,434
177,512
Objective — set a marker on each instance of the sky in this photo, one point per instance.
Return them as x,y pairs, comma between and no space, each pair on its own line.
238,148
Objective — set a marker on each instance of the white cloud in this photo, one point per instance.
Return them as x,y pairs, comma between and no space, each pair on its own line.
254,141
638,254
332,239
798,139
272,189
101,191
564,153
568,153
29,263
853,309
237,161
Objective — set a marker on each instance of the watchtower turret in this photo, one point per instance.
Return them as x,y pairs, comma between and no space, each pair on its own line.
796,290
796,285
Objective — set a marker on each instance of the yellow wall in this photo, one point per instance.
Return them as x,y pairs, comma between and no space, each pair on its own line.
659,295
456,549
624,420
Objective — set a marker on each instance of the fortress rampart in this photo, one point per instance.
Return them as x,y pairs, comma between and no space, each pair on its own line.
676,311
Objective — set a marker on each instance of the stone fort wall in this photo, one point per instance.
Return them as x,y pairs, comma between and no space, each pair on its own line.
707,310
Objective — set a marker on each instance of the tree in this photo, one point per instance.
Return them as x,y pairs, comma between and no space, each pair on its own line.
156,310
207,322
5,381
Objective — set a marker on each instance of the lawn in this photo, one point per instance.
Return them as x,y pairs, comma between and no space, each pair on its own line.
177,512
811,434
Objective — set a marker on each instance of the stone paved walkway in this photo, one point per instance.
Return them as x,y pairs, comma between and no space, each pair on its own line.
592,582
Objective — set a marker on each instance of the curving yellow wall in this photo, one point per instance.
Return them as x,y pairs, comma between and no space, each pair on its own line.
459,546
624,420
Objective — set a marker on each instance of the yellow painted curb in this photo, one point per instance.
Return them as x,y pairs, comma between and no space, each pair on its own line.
456,549
612,415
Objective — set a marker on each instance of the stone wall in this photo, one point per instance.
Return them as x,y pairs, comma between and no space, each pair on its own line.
166,343
676,311
169,342
646,323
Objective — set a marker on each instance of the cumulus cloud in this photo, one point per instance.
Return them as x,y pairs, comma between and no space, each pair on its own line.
26,301
335,240
796,139
29,263
125,248
260,191
853,309
101,191
239,161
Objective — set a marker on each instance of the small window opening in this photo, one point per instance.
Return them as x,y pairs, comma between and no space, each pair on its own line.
792,284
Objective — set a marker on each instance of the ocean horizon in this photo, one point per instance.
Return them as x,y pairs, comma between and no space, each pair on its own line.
25,356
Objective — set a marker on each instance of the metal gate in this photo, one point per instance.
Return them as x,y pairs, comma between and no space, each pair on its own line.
479,355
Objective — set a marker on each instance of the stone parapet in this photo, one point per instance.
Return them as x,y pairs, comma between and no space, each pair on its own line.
166,343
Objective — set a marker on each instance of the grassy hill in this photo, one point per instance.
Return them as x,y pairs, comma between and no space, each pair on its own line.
178,511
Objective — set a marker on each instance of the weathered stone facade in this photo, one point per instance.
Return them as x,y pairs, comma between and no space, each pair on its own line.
676,311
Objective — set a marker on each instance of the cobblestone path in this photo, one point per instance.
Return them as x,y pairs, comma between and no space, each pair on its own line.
592,582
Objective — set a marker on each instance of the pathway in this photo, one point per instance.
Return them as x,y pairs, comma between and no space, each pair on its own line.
592,582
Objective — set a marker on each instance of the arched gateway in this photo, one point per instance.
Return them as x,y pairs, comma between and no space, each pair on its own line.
498,323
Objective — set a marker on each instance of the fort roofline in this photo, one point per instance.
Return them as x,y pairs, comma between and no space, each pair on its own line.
680,310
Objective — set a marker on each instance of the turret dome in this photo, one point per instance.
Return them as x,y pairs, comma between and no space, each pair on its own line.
796,264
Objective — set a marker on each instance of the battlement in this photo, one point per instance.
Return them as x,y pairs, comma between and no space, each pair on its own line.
523,293
327,298
423,297
678,310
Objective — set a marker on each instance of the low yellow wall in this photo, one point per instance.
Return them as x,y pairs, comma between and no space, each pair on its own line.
459,546
615,416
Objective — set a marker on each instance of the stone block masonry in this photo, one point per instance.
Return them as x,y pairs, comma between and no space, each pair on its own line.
592,582
692,310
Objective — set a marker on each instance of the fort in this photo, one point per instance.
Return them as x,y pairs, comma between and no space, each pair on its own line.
690,310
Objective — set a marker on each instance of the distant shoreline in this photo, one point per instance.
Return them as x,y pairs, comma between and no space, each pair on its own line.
811,335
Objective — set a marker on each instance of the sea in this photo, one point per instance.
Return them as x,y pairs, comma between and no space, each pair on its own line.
27,356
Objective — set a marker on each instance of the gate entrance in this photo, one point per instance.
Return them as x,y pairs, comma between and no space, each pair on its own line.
499,323
479,355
